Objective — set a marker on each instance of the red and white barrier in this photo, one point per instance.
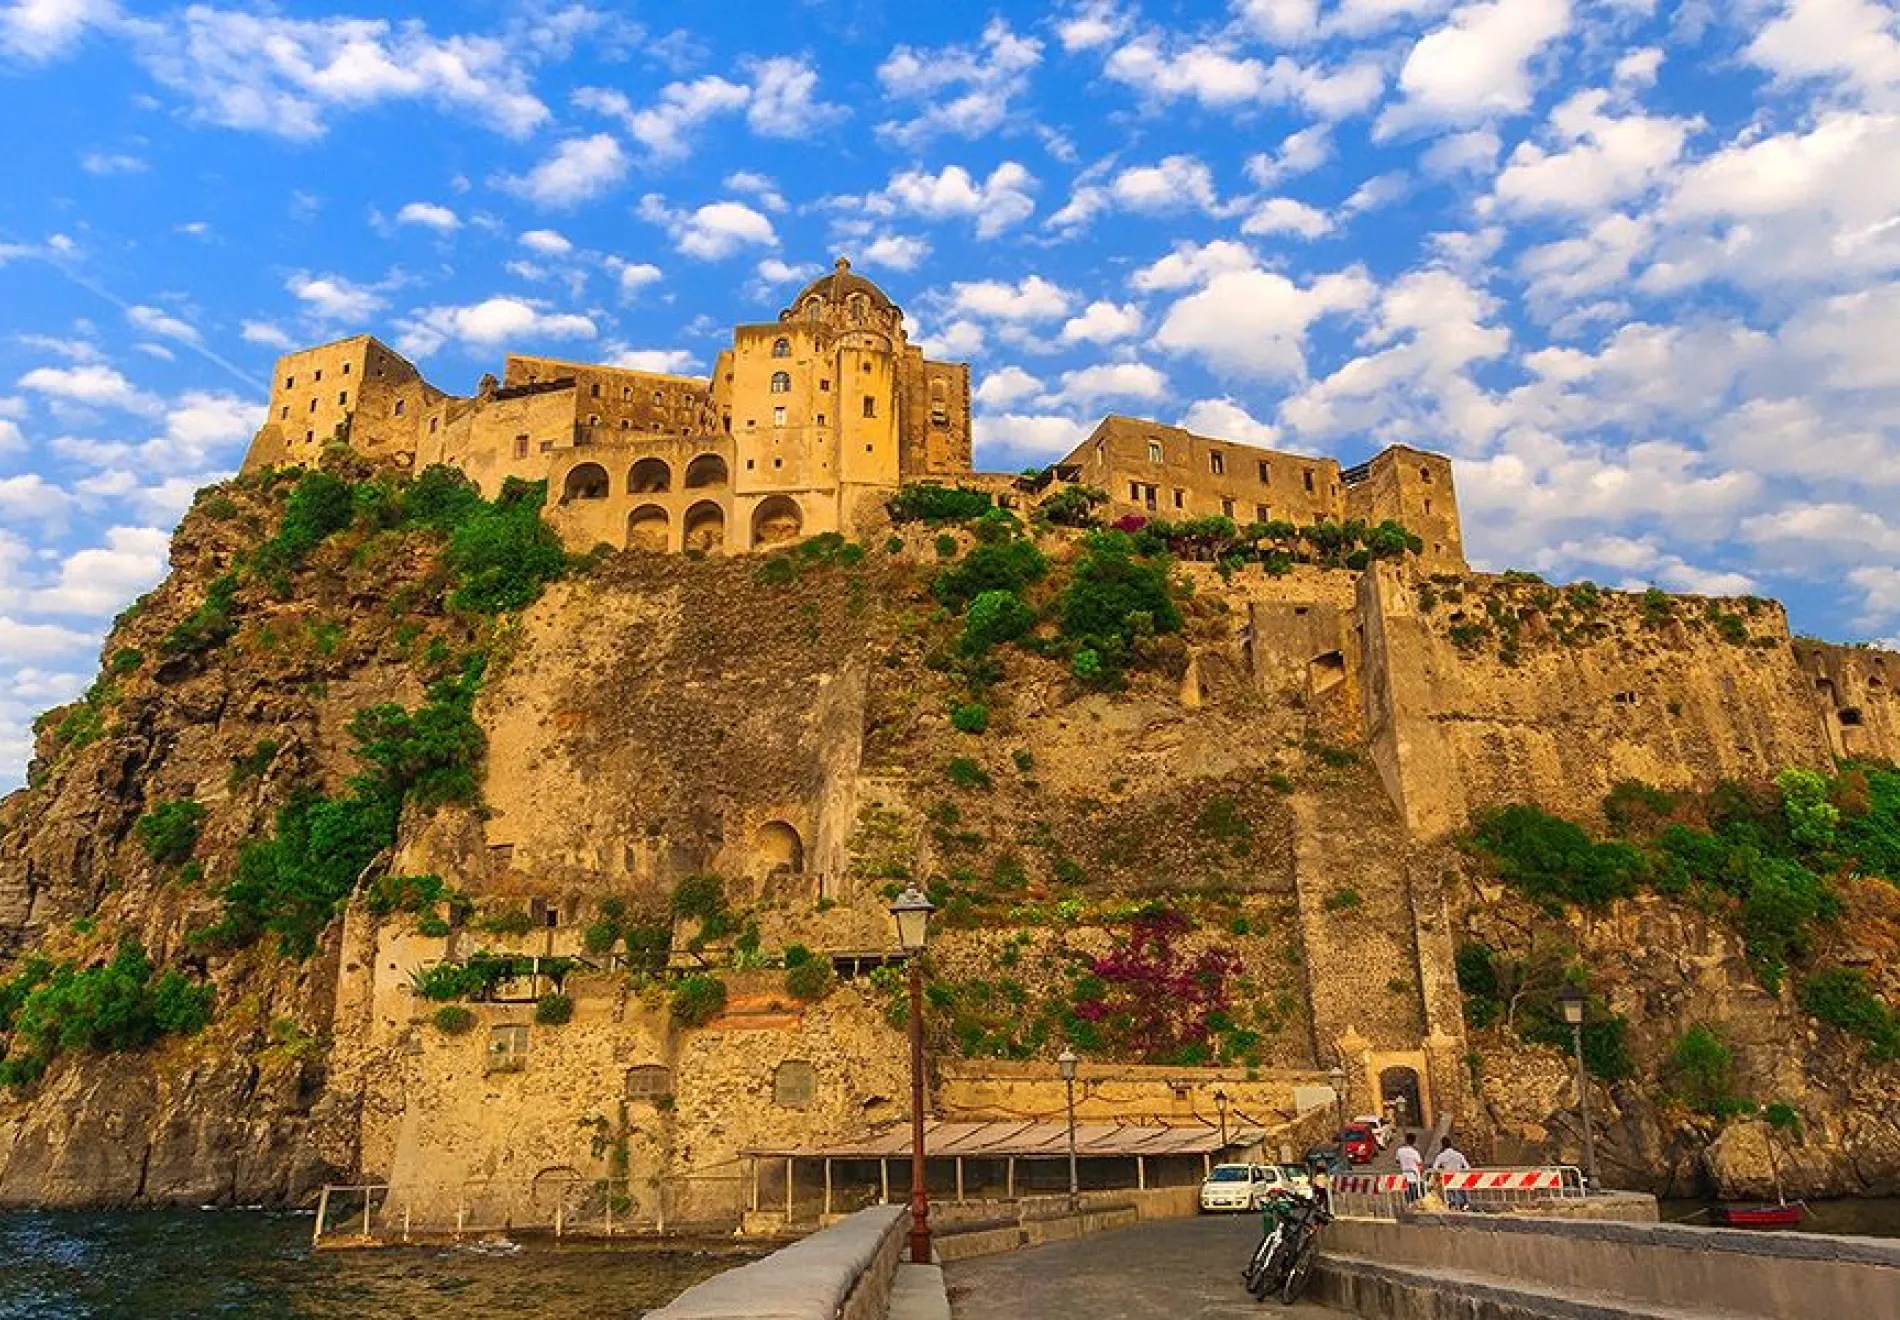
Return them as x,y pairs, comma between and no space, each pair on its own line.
1503,1180
1367,1184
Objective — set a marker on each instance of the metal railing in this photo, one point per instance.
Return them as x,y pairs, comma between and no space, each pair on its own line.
1497,1190
367,1214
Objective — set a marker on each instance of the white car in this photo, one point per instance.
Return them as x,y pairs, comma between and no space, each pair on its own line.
1241,1186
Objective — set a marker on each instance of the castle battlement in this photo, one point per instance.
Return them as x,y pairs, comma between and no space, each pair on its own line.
805,424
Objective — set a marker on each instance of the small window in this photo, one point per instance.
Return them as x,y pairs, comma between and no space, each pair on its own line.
1134,491
1227,508
625,425
778,416
547,446
1217,463
750,464
401,406
1266,474
342,398
781,382
870,405
290,382
507,1048
521,446
1309,480
1154,451
346,368
1425,475
781,348
824,384
1428,507
626,393
319,375
1180,499
309,436
593,390
867,366
593,419
313,405
821,419
656,396
1261,513
286,416
778,462
433,423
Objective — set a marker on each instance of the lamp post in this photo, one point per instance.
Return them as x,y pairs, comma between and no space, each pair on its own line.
1337,1076
1573,1003
1220,1104
912,912
1065,1068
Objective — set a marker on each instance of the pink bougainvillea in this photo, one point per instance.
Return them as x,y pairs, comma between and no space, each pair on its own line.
1156,1002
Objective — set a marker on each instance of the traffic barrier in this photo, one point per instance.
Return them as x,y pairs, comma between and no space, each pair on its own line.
1385,1195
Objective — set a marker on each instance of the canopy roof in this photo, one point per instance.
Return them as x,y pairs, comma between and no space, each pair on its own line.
1021,1140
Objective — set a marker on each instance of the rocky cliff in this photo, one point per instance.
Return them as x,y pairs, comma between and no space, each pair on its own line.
358,737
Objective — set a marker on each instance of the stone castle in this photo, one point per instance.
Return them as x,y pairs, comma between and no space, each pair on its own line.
806,425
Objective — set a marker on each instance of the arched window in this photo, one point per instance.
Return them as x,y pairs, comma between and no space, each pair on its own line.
649,476
706,470
585,482
705,528
781,348
781,382
776,520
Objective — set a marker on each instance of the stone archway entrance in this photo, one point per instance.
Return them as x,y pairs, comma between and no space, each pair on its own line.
1403,1097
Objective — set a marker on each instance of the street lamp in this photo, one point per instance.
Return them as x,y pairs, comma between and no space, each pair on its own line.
1337,1076
1573,1003
1220,1103
1065,1068
912,912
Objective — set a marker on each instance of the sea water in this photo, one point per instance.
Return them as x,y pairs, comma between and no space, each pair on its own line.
160,1264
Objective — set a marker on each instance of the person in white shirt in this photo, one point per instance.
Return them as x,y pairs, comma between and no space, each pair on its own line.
1452,1160
1411,1164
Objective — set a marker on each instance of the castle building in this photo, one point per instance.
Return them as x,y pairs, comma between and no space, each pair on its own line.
806,425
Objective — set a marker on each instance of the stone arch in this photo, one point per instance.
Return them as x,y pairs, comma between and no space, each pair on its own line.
705,528
781,382
777,519
794,1084
649,528
650,476
777,847
1401,1084
707,470
585,481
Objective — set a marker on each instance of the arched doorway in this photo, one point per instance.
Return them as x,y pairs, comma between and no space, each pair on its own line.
650,476
705,528
777,847
776,521
1401,1096
647,528
707,470
585,481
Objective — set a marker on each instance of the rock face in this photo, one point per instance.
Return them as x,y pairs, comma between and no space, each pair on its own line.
1289,769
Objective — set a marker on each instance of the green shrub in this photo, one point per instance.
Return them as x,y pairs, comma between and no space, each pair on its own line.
125,660
1073,506
1086,664
403,893
697,1000
319,506
1552,860
453,1020
945,545
504,554
509,921
553,1010
966,773
1114,594
1478,982
123,1004
995,617
810,980
938,504
1342,900
210,624
169,831
1009,565
1700,1073
1842,997
973,718
252,764
701,896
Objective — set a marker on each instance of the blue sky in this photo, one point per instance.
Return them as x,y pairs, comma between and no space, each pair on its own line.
1635,264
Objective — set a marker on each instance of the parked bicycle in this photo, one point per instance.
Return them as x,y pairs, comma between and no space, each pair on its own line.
1283,1260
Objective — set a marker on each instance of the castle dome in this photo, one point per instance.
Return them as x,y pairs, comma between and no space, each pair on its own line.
839,286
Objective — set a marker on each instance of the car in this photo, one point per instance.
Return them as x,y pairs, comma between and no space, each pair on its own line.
1358,1144
1381,1127
1241,1186
1296,1176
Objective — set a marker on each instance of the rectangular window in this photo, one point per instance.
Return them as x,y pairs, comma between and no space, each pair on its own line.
821,419
824,385
1261,513
1216,463
290,382
1266,473
1180,498
433,423
400,405
1227,508
547,446
1134,492
870,405
346,368
313,405
1428,508
1149,496
319,373
1309,479
521,446
286,416
778,417
342,398
1154,451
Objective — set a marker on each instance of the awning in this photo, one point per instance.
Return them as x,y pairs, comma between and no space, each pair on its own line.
1017,1140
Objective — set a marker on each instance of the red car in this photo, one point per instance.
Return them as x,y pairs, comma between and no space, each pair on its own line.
1358,1144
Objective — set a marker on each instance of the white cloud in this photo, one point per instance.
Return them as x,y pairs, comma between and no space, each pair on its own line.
635,275
1219,77
30,497
1192,263
1176,183
1084,204
92,385
663,361
1111,380
1103,322
43,29
157,321
1012,384
1599,160
757,185
100,580
712,232
1284,215
965,91
996,203
1254,322
579,169
896,252
1472,152
1031,299
1006,440
1091,25
956,342
774,272
286,76
778,101
487,324
265,333
546,243
1855,41
20,641
784,100
333,298
103,163
1226,420
1477,66
1299,153
428,215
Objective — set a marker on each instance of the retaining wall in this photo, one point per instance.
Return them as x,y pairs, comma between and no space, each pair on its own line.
1418,1268
844,1272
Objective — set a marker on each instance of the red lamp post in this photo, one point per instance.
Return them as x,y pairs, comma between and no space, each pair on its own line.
912,912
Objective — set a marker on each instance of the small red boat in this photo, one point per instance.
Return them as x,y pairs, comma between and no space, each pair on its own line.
1789,1215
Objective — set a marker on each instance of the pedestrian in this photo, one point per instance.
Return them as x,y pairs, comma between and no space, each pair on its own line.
1452,1160
1411,1164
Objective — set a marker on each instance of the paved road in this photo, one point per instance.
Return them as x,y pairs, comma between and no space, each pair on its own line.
1171,1269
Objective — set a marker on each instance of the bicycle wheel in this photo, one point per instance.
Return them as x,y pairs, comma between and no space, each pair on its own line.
1259,1257
1266,1279
1301,1267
